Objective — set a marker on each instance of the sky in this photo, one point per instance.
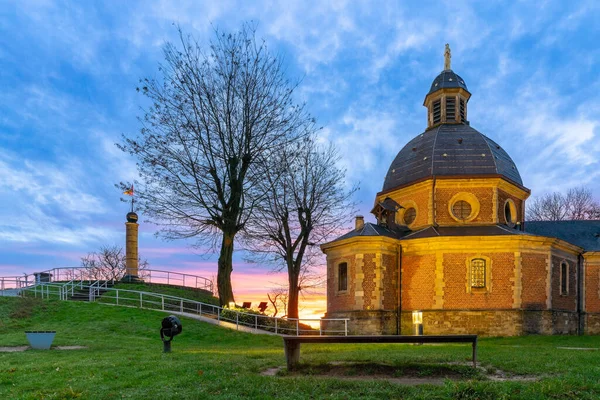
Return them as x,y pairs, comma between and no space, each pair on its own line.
68,73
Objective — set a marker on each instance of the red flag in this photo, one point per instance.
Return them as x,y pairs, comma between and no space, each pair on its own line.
129,192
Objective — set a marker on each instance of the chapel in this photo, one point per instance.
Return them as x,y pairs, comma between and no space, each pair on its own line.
451,242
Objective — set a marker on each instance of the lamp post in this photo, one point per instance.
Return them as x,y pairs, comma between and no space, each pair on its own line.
417,317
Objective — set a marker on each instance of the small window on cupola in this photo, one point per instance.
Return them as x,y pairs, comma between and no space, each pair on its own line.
462,110
450,109
437,111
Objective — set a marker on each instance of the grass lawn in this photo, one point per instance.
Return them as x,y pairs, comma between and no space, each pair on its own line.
185,293
123,359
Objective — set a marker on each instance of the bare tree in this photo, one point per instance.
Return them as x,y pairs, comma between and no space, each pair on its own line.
577,204
216,116
306,203
278,298
109,263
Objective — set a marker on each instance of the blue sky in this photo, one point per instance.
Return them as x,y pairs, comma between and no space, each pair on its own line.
68,72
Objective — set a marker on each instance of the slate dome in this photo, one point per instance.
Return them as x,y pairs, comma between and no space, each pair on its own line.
450,150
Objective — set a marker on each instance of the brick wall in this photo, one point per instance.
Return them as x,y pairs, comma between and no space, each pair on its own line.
418,281
485,197
592,324
592,288
561,301
484,323
421,198
389,281
533,277
499,293
340,300
369,284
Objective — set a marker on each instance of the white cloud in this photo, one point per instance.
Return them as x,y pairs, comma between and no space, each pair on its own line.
47,202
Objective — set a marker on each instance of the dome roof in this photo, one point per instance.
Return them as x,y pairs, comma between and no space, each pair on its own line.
450,150
447,79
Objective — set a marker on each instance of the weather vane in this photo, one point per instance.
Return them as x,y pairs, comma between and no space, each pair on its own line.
129,192
447,57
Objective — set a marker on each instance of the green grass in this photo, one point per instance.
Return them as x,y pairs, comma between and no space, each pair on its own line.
186,293
123,359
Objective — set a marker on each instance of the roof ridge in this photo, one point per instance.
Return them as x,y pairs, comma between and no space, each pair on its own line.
433,148
490,149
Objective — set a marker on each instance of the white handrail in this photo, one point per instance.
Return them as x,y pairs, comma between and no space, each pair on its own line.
91,274
162,302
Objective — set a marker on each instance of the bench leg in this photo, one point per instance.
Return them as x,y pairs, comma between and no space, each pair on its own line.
292,354
475,354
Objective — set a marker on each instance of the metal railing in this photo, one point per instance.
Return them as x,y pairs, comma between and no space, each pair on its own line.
69,274
162,302
176,279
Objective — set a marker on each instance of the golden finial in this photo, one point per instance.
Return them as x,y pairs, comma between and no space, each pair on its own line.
447,57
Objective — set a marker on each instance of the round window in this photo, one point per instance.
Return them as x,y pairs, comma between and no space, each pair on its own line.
461,210
409,216
510,213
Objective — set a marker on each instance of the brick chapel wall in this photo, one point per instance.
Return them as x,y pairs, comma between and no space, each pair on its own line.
485,196
499,294
369,284
592,288
418,281
340,301
389,284
419,198
502,197
564,302
483,323
592,298
534,276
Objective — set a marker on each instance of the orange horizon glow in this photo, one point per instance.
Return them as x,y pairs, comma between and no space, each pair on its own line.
254,287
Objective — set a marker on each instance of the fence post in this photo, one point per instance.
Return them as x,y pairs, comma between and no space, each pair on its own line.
320,328
162,301
141,304
256,322
345,327
297,327
237,321
117,297
219,314
181,306
200,309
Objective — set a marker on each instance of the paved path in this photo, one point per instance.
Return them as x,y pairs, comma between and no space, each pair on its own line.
223,324
10,292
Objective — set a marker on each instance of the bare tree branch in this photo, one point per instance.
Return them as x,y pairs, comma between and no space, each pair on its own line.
217,114
577,204
306,202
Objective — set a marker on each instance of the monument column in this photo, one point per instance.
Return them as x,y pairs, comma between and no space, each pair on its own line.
131,248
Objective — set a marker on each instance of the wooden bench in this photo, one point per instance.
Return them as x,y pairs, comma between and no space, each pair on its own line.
292,343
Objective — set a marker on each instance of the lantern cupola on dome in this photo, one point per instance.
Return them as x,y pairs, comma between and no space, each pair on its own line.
447,99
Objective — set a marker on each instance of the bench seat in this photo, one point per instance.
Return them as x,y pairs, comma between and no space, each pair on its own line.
292,343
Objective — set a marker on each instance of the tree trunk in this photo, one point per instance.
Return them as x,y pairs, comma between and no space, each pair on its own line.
225,268
292,311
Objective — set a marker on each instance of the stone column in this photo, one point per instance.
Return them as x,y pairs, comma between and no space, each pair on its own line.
131,248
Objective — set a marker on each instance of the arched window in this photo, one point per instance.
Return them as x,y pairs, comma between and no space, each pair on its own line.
478,272
343,277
